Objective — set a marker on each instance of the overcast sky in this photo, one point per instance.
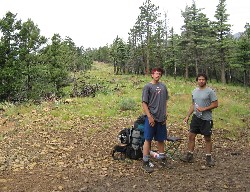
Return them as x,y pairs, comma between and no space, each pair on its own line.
94,23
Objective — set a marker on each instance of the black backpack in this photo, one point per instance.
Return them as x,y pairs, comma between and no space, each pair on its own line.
131,141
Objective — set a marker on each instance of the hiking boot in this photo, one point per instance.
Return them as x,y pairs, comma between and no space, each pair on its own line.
210,161
164,163
189,158
147,166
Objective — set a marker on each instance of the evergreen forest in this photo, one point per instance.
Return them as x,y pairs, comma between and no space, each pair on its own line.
35,67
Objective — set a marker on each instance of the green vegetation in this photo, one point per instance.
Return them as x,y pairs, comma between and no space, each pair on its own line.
122,99
31,66
35,67
203,45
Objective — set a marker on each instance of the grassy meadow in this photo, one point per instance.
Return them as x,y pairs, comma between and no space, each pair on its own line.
120,97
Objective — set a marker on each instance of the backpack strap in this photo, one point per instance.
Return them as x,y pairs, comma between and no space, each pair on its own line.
119,152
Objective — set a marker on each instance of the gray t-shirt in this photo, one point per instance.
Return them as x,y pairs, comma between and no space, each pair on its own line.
156,96
203,98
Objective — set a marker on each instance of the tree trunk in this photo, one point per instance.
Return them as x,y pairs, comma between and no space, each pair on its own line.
175,70
186,71
147,62
215,74
115,67
196,62
196,66
223,73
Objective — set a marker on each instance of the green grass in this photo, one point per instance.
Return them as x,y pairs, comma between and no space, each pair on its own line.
121,97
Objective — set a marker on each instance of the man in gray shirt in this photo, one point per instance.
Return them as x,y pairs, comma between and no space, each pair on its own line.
204,100
154,104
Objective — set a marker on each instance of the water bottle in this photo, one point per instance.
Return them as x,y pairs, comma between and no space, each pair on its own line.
154,154
198,113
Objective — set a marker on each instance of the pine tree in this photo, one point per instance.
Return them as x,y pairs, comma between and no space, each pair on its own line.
147,25
222,29
243,54
194,39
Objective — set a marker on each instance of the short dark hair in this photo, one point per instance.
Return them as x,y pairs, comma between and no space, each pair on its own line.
201,75
157,69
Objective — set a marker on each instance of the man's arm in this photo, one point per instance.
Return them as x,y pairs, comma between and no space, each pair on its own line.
213,105
190,111
166,112
150,118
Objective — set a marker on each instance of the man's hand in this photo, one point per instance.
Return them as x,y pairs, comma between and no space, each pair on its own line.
186,120
151,121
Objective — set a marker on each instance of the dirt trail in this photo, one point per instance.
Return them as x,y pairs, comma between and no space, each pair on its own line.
34,160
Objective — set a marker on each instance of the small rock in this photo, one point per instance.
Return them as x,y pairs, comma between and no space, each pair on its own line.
60,188
83,189
203,167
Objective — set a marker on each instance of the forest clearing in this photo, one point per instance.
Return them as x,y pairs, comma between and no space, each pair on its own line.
65,144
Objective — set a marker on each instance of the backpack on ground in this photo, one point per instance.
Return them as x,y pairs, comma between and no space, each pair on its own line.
131,141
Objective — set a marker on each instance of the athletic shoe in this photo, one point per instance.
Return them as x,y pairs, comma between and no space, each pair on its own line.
210,161
164,163
147,166
189,158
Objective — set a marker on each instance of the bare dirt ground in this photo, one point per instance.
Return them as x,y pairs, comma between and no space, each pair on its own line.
34,159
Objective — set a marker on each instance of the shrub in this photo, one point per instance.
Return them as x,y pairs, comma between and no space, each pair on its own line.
127,104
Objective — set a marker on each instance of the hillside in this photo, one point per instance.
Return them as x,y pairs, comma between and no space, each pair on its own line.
65,144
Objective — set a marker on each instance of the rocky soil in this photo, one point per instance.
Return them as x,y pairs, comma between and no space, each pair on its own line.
34,159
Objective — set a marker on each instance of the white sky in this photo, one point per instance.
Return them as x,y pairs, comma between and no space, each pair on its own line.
94,23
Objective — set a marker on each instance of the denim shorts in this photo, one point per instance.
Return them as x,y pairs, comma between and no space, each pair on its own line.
158,132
